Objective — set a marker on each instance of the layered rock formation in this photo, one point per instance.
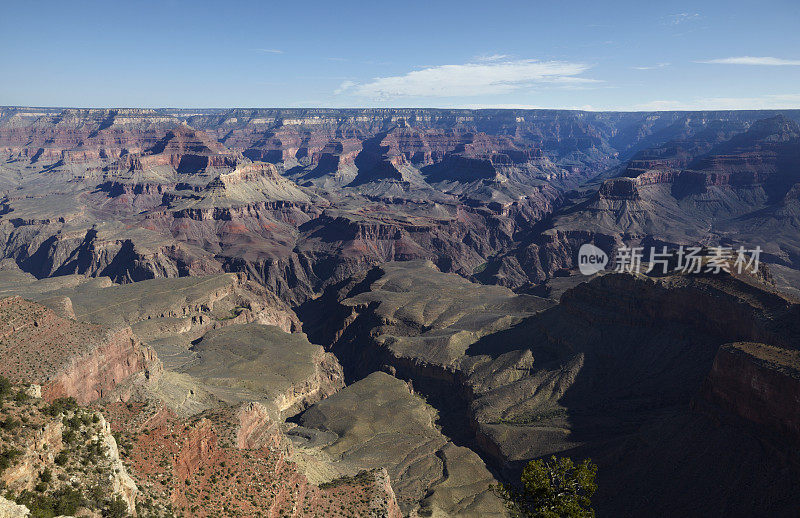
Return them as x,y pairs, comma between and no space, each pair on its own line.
82,361
198,235
168,193
715,187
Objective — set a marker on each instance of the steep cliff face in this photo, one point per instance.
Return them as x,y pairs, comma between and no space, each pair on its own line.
82,135
255,429
66,357
760,383
721,184
95,373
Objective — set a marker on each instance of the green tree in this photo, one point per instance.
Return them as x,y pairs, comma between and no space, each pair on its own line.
552,488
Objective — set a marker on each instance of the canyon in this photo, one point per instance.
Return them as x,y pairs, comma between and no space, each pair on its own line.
377,312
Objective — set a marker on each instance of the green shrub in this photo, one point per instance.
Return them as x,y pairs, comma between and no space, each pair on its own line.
5,387
68,436
67,501
21,396
9,424
116,508
60,406
362,477
61,459
64,501
7,458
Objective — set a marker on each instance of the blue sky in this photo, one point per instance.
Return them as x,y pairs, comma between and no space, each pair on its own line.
581,54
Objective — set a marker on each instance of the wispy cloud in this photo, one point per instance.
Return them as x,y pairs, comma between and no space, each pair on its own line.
652,67
337,59
345,86
753,60
681,18
470,79
269,51
766,102
490,57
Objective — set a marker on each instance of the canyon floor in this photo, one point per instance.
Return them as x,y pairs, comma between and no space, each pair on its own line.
296,312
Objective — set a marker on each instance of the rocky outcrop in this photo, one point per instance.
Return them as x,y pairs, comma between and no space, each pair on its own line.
199,446
121,483
383,502
9,509
36,452
378,423
256,429
236,457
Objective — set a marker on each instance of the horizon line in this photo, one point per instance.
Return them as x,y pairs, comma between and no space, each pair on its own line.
506,109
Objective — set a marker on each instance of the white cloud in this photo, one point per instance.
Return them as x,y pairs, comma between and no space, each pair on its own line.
679,18
652,67
269,51
470,79
346,85
766,102
751,60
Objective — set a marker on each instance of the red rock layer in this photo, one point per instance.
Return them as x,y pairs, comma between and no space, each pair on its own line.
235,459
